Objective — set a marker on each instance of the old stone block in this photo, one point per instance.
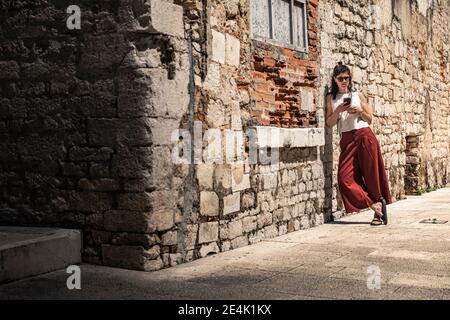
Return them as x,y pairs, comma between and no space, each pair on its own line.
95,220
232,50
128,221
99,170
249,224
41,147
136,163
35,70
205,174
282,229
239,242
232,8
100,237
218,47
114,132
215,114
270,232
163,219
99,185
234,229
142,58
162,200
209,203
357,75
165,18
213,151
135,239
191,236
222,178
317,171
225,246
269,181
162,130
169,238
239,180
307,99
91,201
236,124
161,167
264,219
231,203
131,257
141,201
175,258
248,200
90,154
153,265
208,232
255,238
9,70
208,249
161,100
97,58
212,80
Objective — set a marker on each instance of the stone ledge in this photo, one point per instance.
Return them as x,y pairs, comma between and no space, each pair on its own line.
26,252
274,137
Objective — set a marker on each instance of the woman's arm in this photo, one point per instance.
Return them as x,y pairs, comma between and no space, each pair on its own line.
332,117
366,112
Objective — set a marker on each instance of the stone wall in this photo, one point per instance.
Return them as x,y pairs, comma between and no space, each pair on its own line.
249,83
85,123
398,52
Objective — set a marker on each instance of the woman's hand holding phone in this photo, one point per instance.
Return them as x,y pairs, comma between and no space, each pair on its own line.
343,107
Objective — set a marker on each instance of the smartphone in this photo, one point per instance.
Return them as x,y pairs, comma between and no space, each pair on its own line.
347,100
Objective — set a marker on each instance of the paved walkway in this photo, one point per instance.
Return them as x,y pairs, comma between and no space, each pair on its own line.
339,260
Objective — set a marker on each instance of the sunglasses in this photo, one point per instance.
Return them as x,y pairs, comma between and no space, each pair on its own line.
341,79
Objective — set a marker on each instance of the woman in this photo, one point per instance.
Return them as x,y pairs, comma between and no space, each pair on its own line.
361,176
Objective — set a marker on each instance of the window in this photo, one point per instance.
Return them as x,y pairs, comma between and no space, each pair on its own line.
281,21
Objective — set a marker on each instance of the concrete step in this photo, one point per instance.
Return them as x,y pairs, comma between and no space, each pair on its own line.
28,251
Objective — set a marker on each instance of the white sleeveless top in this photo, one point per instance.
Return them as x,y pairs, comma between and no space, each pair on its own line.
348,121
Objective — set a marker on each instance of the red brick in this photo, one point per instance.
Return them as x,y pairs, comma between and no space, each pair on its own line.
262,104
288,52
262,87
269,62
259,95
256,75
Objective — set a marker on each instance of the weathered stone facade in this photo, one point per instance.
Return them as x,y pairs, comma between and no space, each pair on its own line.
398,52
89,119
86,117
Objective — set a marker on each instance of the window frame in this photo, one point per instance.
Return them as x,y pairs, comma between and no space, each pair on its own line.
273,41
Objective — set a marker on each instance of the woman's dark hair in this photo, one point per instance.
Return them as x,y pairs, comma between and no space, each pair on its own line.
340,68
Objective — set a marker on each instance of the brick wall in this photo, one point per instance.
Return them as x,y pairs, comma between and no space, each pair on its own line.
282,81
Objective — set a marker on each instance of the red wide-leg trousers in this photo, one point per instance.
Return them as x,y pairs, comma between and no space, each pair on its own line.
361,175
